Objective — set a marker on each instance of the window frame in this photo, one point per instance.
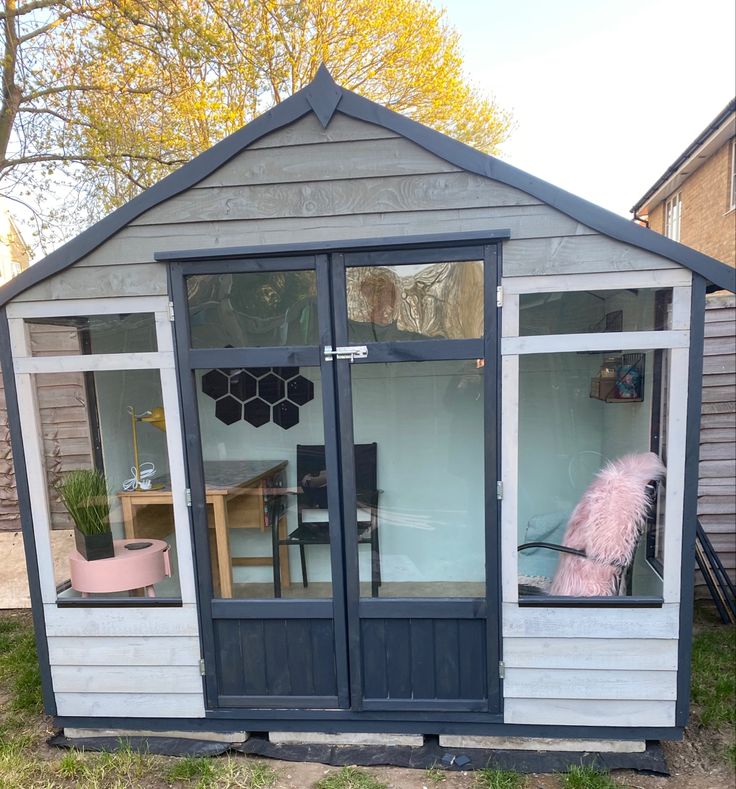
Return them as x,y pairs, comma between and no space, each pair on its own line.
732,192
673,216
26,366
676,340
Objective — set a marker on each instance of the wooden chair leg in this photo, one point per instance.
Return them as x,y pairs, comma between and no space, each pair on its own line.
303,558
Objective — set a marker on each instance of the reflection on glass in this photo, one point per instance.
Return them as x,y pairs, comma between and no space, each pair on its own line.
253,309
567,434
87,427
415,302
424,421
592,311
265,481
133,333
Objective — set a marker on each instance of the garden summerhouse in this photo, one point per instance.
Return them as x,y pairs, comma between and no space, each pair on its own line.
332,374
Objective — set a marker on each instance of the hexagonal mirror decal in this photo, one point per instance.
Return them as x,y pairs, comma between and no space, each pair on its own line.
243,385
214,384
258,372
257,412
286,372
228,410
271,388
285,414
300,390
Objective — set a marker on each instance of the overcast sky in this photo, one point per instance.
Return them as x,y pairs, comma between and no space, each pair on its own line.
605,93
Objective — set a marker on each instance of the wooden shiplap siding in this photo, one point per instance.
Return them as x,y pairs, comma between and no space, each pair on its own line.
125,662
717,486
352,180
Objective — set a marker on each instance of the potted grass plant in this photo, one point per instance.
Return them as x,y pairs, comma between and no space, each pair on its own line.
85,495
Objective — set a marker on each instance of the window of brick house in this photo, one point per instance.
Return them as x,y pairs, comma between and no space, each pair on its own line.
732,194
672,215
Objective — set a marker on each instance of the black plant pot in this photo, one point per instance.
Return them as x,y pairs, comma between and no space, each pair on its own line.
94,546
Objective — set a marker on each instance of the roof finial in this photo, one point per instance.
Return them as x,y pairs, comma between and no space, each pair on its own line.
323,95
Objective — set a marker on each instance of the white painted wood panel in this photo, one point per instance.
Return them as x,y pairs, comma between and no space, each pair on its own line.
334,198
130,705
560,343
95,362
588,712
648,654
591,622
126,679
137,244
509,477
124,651
106,282
76,307
578,683
337,160
579,254
675,488
617,280
308,131
145,621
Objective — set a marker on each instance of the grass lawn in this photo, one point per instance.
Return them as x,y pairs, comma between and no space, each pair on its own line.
26,762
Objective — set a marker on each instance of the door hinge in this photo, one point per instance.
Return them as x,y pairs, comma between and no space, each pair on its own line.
499,296
188,497
350,352
501,669
202,672
499,490
171,311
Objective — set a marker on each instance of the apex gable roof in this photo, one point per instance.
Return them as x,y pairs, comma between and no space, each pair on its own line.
324,97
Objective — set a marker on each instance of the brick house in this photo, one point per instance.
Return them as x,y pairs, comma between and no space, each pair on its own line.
694,202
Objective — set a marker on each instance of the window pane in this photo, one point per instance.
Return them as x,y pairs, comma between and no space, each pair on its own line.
91,425
265,481
415,302
593,311
576,415
133,333
252,309
421,505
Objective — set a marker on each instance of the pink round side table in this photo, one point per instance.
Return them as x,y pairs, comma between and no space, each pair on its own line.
128,569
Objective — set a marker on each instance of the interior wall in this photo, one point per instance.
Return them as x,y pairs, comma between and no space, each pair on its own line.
426,419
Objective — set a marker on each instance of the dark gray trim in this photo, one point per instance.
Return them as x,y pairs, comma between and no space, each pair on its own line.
323,95
549,601
350,245
421,350
369,721
242,264
195,480
229,358
422,608
492,276
409,256
690,505
26,518
279,608
121,602
278,702
427,705
319,94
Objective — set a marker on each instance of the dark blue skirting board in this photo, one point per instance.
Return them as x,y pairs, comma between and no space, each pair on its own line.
650,761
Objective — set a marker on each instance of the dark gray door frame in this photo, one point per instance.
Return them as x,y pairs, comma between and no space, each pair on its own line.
347,608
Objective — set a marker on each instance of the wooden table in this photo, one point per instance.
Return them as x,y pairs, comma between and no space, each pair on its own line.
240,493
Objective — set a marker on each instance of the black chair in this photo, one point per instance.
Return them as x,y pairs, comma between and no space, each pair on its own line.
313,527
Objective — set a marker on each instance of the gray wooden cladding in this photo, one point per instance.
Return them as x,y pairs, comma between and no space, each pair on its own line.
424,659
717,482
275,658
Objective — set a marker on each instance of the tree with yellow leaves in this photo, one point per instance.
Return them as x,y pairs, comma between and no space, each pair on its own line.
111,95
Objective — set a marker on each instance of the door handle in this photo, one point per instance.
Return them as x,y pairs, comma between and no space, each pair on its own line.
350,352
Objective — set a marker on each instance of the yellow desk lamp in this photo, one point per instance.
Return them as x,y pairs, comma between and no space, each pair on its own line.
155,417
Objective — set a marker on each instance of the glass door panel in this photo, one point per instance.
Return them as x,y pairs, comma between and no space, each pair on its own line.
421,533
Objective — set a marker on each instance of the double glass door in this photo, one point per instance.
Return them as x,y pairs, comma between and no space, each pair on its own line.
340,418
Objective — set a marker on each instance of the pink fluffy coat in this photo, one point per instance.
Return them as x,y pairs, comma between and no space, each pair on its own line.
606,524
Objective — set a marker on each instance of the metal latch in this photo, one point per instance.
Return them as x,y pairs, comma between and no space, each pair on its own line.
501,669
499,490
202,670
351,352
499,296
188,497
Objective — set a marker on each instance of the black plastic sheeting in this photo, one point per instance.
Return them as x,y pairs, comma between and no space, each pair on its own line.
650,761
